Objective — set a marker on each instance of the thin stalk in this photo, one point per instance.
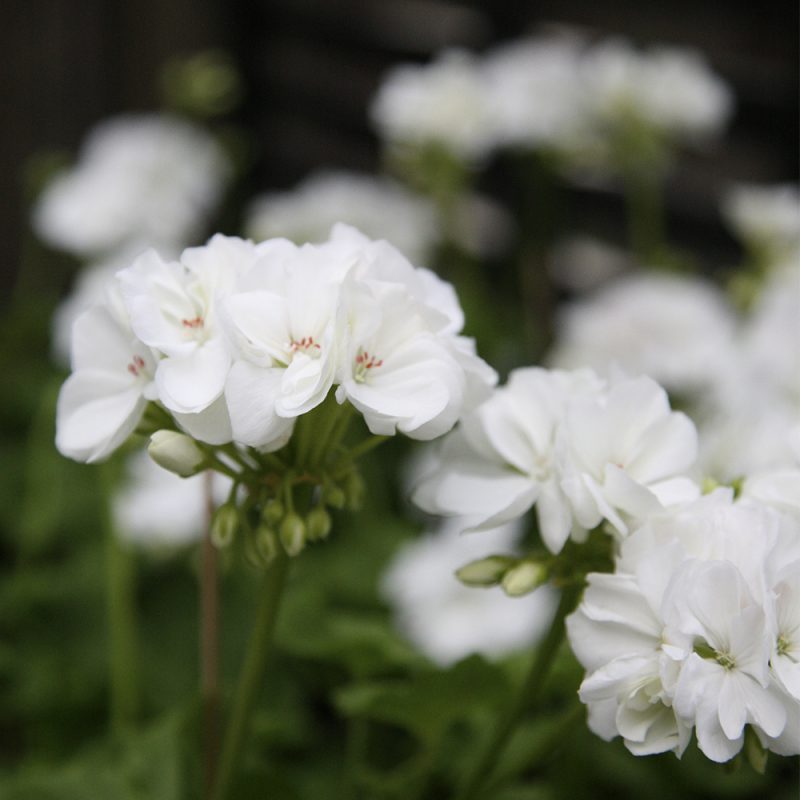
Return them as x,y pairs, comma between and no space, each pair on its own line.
645,209
529,695
363,447
252,675
122,632
209,643
325,432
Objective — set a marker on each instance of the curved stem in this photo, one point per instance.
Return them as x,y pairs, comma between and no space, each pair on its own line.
251,677
525,701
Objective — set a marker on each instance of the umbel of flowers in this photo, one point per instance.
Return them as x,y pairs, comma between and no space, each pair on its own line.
252,359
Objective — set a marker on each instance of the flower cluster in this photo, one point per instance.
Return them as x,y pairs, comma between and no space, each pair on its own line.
581,449
697,629
237,340
140,180
556,93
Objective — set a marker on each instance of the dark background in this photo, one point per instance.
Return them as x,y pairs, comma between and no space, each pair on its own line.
310,66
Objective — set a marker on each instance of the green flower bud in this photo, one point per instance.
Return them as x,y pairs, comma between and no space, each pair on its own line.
293,534
224,525
266,543
523,578
273,512
334,496
318,523
487,571
176,452
354,489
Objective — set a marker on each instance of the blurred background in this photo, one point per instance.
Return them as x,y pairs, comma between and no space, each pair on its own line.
310,66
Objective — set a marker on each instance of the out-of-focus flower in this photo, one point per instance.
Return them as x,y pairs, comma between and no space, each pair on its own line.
148,178
448,621
677,330
379,207
535,92
443,103
583,263
155,508
670,90
765,217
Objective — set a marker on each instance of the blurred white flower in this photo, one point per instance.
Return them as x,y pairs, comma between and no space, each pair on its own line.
444,103
677,330
148,178
535,92
448,621
765,216
155,508
379,207
582,263
670,90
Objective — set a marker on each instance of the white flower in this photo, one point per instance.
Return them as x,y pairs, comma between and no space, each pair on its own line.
676,330
379,207
147,178
173,307
765,216
504,457
444,102
447,620
671,90
155,508
727,687
697,628
535,91
102,401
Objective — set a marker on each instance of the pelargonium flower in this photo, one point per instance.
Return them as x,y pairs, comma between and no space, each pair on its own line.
696,630
578,449
143,178
239,340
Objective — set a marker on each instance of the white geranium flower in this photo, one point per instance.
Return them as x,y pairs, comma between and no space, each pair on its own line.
284,326
445,102
448,621
102,401
146,178
174,308
505,457
765,216
628,454
677,330
726,684
379,207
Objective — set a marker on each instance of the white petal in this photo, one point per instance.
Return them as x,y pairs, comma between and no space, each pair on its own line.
190,384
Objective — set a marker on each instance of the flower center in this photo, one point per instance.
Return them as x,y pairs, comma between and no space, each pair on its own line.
364,363
136,366
305,345
725,660
783,645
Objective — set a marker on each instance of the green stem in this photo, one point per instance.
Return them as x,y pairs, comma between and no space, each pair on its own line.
529,695
359,450
645,209
122,630
251,678
325,431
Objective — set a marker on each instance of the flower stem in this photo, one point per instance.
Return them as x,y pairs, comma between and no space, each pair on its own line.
122,633
524,702
209,643
645,215
251,677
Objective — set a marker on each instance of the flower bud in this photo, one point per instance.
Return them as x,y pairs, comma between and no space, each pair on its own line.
266,543
176,452
318,524
224,525
293,534
487,571
334,496
523,578
273,512
354,490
